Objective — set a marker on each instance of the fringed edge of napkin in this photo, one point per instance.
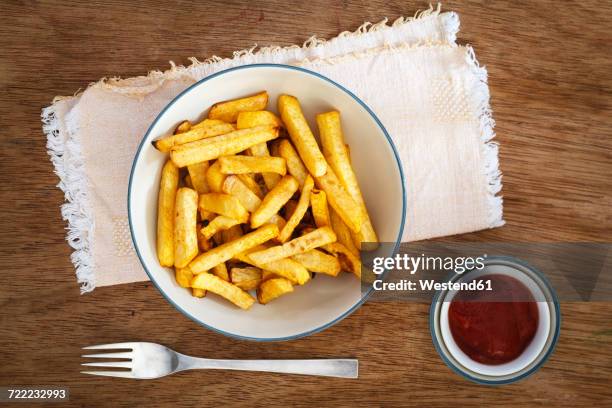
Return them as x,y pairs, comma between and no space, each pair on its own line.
491,148
65,153
65,150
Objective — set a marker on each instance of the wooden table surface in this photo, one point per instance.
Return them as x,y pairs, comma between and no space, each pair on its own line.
550,75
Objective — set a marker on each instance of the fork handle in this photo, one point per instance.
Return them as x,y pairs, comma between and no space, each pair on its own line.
344,368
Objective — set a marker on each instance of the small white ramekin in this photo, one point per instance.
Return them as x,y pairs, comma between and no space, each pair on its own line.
536,353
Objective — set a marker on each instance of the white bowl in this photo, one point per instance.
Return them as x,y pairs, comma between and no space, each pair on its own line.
324,300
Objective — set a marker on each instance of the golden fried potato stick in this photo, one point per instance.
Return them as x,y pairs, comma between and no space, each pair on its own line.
231,234
216,285
348,261
220,223
228,111
261,150
225,252
265,275
221,271
185,227
183,277
203,243
286,268
320,210
214,178
301,135
318,261
317,238
272,289
195,133
249,200
199,293
274,201
340,200
165,214
207,215
224,145
251,164
197,174
294,163
224,204
182,127
247,278
208,123
336,153
257,118
299,211
343,232
251,183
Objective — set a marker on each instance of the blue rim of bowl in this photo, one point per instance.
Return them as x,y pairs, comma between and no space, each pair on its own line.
533,369
364,298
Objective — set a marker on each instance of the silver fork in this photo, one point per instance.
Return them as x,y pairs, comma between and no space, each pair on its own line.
151,360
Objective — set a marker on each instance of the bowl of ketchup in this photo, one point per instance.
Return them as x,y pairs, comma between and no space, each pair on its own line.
501,330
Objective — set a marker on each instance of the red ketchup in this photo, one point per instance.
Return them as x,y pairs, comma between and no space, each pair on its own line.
494,332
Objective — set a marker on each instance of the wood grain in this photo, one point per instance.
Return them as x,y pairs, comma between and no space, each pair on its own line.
550,76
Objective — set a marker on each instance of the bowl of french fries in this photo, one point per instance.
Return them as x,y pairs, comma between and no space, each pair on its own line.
253,195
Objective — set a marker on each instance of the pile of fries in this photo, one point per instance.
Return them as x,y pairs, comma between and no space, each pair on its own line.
242,207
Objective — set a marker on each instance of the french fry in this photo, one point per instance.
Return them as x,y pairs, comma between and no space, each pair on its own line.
225,252
165,214
298,212
220,223
261,150
182,127
228,110
214,284
214,178
274,201
249,200
221,271
197,173
224,204
246,278
320,210
251,164
249,181
195,133
203,243
301,135
236,187
183,277
199,293
208,123
265,275
311,240
185,224
348,261
231,234
207,215
336,153
340,200
286,268
217,146
257,118
318,261
343,233
272,289
294,163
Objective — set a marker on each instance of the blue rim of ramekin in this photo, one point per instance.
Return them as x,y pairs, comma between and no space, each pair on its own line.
533,369
365,297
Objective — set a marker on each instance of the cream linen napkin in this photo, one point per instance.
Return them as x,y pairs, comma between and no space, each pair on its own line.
430,94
